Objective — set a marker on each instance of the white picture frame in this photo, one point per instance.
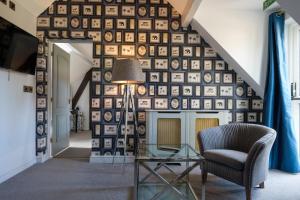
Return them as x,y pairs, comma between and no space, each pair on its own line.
195,103
110,129
177,77
111,90
154,77
194,77
161,103
187,90
144,103
210,91
220,104
242,104
226,91
161,63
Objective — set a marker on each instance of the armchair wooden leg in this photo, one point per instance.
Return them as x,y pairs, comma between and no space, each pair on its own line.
248,193
262,185
204,177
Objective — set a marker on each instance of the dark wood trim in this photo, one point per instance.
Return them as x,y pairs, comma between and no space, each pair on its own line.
84,82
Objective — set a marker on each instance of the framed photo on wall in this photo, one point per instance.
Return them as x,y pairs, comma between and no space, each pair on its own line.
121,23
128,50
129,37
207,104
162,90
110,129
161,103
210,91
96,76
145,63
161,64
151,90
220,104
144,24
154,77
195,64
257,104
61,9
252,117
177,38
226,91
95,103
111,10
239,117
187,90
227,78
154,37
177,77
144,103
96,116
111,50
161,24
220,65
242,104
188,51
128,11
209,52
195,103
108,103
110,90
88,9
194,77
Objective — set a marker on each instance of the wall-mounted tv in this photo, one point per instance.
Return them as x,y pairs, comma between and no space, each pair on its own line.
18,49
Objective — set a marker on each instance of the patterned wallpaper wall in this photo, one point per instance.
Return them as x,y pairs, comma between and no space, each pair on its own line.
182,70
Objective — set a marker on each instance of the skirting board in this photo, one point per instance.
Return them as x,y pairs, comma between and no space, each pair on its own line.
111,159
16,170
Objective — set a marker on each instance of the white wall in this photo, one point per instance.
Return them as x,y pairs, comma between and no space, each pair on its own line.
17,124
238,31
20,17
78,69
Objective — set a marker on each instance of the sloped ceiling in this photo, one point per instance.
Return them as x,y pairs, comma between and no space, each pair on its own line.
36,7
85,49
237,29
292,7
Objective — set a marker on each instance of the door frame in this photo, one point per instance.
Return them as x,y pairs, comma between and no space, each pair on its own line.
48,154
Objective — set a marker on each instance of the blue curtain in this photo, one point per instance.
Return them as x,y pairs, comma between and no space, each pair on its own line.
277,100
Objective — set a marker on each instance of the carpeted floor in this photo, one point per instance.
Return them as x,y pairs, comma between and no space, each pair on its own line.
81,139
69,179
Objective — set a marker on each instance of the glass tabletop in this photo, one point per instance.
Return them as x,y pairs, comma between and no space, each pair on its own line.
155,152
148,190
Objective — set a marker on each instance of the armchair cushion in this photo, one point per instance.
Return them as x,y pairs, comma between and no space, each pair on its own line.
230,158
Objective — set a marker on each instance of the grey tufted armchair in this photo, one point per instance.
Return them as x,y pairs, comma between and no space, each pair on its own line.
238,153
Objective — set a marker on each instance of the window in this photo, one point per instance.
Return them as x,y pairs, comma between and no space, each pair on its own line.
292,40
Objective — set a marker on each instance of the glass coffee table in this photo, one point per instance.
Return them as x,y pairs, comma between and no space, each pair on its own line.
154,158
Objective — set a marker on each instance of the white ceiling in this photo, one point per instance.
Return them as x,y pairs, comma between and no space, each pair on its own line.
85,49
36,7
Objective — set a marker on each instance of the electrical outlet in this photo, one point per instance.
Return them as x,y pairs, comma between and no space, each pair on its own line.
12,5
28,89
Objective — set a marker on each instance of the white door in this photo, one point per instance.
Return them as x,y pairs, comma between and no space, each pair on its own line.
61,100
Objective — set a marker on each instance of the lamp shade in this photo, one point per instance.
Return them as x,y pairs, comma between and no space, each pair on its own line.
127,71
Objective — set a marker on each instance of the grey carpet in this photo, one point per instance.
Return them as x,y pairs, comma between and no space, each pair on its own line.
66,179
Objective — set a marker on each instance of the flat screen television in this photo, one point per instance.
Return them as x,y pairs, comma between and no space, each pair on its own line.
18,49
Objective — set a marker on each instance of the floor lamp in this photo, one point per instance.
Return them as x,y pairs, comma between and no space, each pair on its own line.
127,72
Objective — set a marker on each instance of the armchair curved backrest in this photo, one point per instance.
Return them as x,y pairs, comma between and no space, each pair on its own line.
235,136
